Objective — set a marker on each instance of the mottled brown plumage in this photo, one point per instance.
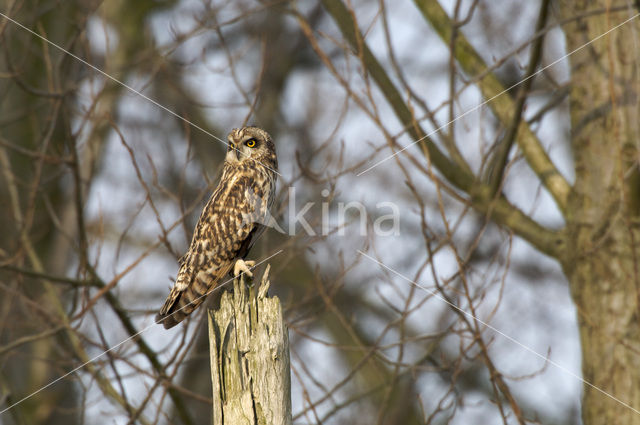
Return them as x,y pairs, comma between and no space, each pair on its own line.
230,223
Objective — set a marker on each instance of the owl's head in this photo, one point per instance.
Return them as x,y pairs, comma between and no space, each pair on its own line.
251,144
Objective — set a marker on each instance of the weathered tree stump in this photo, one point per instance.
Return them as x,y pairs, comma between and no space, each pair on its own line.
249,350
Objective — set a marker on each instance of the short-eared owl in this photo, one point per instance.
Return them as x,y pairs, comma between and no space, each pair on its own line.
229,225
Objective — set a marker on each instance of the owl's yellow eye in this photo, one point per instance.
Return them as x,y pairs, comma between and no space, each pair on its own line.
251,143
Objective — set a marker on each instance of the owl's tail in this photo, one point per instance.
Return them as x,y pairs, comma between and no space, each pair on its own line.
181,303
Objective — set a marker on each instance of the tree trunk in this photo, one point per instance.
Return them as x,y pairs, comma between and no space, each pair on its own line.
249,349
603,222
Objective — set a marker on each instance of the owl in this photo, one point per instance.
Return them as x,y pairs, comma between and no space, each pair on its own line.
232,220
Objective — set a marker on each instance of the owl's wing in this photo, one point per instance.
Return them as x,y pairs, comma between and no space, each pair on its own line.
220,238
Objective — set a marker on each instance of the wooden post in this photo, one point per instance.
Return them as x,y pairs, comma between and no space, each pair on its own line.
249,350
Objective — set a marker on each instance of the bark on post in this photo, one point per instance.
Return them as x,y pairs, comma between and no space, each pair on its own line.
249,351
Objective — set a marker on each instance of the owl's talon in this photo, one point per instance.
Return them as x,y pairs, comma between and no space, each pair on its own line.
242,266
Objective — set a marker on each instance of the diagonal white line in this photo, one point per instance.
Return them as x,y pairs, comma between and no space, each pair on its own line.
125,340
123,84
475,108
515,341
